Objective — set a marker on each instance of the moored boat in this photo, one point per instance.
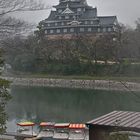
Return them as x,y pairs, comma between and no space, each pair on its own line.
61,131
47,130
26,128
77,132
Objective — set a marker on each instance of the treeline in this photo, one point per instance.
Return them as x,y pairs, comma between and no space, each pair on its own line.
100,55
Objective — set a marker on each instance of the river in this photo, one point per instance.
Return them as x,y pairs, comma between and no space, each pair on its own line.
65,105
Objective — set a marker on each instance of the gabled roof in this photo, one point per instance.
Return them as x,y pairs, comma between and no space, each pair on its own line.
67,11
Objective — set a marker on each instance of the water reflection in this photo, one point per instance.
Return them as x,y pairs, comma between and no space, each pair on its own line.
66,105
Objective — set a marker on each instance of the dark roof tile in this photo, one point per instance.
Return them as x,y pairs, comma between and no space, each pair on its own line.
107,20
52,15
89,14
124,119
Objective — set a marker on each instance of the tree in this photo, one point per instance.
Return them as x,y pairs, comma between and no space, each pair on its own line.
8,6
118,136
137,35
106,48
4,98
138,25
6,25
10,26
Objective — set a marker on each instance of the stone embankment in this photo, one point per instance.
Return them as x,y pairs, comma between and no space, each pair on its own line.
82,84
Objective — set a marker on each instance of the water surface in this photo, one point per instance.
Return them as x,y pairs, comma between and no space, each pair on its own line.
66,105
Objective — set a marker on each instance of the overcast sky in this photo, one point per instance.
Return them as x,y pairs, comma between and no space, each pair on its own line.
127,11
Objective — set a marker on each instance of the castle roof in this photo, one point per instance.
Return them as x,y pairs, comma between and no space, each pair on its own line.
89,14
107,20
72,4
52,15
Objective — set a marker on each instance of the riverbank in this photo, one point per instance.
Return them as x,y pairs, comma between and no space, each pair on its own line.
75,77
76,83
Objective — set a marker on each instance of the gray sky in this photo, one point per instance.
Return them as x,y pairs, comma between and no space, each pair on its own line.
127,11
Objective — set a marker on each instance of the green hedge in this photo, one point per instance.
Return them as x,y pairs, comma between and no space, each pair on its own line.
80,69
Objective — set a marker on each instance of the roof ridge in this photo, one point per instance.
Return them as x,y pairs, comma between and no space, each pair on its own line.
123,118
106,16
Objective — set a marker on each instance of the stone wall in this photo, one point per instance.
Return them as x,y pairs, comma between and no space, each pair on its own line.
82,84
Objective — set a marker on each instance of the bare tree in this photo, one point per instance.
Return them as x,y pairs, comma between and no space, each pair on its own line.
8,6
10,26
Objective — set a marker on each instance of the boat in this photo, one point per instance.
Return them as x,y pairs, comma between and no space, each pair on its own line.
46,131
26,128
77,132
54,131
61,131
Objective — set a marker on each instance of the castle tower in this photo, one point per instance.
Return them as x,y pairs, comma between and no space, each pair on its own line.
77,17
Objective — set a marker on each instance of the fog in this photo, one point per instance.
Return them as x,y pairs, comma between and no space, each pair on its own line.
127,11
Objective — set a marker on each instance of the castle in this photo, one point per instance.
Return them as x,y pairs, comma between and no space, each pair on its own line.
76,17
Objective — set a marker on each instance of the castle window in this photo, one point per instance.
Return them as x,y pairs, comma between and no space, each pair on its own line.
86,22
62,23
109,29
51,31
99,30
60,17
46,31
82,29
104,29
91,22
67,17
71,30
56,24
65,30
89,29
49,24
58,30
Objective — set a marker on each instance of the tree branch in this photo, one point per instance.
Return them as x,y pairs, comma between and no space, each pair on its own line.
9,6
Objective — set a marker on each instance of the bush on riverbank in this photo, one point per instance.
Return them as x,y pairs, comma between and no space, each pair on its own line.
94,70
124,70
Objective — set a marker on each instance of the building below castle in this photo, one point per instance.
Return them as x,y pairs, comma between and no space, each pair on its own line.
77,17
